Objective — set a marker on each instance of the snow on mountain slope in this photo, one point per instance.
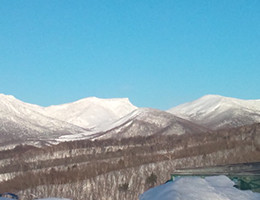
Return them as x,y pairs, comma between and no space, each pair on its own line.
108,118
141,122
214,111
19,120
91,112
148,121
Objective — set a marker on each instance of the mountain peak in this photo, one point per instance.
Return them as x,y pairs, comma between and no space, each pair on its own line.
5,96
212,96
216,111
92,111
95,100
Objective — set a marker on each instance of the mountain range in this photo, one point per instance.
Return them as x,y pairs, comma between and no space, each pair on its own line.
95,118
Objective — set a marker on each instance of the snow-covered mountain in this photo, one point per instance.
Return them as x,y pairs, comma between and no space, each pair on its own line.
141,122
91,112
148,121
19,120
118,118
214,111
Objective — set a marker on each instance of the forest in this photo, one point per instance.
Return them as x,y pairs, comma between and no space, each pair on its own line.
119,169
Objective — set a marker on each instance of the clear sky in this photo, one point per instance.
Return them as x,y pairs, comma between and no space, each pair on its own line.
158,53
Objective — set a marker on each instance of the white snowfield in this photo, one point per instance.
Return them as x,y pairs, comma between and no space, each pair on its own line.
196,188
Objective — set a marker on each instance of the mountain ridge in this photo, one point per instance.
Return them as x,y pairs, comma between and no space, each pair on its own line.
215,111
142,122
19,120
84,112
23,121
93,117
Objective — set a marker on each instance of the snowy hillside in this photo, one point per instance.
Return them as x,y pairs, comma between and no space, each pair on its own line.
148,121
91,112
141,122
96,118
216,112
19,120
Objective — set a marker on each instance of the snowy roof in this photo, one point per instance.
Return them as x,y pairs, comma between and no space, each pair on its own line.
196,188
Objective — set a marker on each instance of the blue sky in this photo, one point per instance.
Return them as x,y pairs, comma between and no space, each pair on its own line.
158,53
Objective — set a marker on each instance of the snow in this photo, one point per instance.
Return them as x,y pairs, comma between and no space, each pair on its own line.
29,118
196,188
211,103
141,121
82,118
218,111
102,128
91,112
85,113
86,118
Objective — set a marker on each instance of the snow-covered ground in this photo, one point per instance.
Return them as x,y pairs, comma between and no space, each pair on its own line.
196,188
